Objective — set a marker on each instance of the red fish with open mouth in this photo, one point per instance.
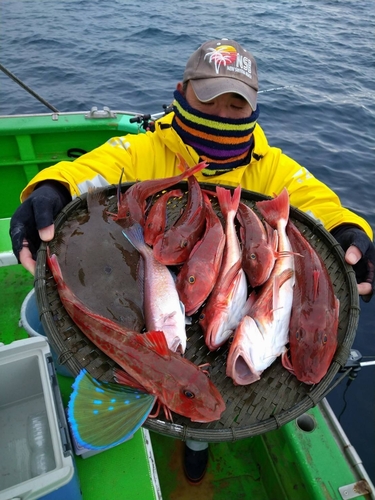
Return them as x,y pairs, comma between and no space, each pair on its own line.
224,308
263,332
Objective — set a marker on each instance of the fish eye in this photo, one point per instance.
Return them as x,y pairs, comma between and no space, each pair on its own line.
191,279
189,394
299,334
253,256
183,243
201,316
325,338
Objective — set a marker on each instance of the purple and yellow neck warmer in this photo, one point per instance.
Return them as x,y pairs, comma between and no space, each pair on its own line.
225,143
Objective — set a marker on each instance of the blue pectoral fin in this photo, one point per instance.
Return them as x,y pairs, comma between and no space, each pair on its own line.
104,414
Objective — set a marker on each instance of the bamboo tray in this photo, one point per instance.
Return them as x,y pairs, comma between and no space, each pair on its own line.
277,398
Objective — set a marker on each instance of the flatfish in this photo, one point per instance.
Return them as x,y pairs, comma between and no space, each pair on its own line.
99,264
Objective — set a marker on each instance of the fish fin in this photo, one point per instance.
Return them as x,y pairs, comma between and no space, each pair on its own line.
104,414
287,253
227,280
96,197
286,362
278,283
156,341
186,170
316,276
183,166
209,193
134,234
182,306
247,309
275,209
228,202
188,320
123,378
272,237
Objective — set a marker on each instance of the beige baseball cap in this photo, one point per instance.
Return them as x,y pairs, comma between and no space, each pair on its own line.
221,66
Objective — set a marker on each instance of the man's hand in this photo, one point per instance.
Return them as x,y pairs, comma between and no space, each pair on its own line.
32,222
359,253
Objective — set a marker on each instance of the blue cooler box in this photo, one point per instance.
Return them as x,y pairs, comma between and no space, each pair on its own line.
36,457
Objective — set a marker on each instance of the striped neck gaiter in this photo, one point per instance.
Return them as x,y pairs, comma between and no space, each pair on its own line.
225,143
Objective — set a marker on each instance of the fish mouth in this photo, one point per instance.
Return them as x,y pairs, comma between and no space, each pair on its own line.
177,346
214,414
244,371
216,338
194,307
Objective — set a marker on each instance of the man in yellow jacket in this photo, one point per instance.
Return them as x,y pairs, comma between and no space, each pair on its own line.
214,118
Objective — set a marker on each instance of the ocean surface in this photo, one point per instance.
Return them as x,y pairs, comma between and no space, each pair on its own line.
316,65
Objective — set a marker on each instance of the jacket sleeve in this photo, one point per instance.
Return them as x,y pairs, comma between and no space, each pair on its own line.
132,154
306,192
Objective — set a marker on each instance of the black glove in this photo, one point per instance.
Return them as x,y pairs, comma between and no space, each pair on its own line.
36,212
348,235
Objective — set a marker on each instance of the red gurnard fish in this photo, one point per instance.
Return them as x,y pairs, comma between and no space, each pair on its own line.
157,217
315,315
132,203
224,308
163,309
263,332
198,275
173,247
177,383
259,246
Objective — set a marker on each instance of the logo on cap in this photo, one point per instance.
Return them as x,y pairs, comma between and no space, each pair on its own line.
230,58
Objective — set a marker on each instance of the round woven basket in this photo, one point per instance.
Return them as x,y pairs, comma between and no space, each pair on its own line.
277,398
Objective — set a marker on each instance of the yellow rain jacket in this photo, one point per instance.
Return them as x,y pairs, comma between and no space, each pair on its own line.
153,155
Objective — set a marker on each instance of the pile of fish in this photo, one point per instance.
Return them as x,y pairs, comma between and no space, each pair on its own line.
254,282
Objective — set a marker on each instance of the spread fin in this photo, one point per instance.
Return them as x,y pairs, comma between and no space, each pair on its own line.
156,341
103,414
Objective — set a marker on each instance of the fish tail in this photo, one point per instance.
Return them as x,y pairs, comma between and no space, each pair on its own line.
276,209
186,170
316,276
227,202
286,362
183,166
104,414
134,234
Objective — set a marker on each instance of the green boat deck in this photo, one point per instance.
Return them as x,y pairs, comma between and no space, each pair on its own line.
301,460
